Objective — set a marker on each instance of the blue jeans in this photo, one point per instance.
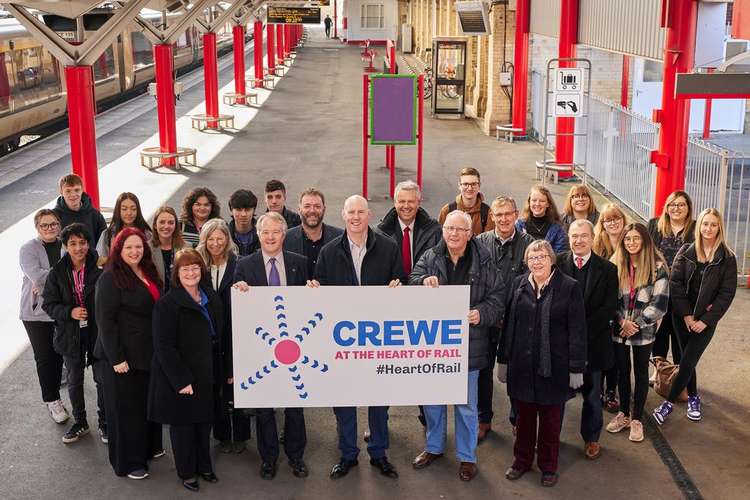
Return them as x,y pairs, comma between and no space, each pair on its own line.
346,421
467,424
592,419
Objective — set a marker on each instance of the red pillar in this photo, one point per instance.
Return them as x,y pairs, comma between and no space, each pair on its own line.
707,115
674,115
624,89
211,77
566,49
238,36
521,66
335,19
287,39
165,105
280,43
79,84
270,48
258,53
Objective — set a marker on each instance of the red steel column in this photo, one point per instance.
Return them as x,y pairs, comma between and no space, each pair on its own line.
269,48
420,127
258,53
566,49
707,115
287,39
280,43
674,115
238,35
335,19
79,84
521,66
211,77
165,105
365,134
624,88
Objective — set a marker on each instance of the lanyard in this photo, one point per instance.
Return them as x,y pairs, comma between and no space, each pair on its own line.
631,279
78,285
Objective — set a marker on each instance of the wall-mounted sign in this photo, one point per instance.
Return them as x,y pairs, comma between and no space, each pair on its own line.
293,15
393,109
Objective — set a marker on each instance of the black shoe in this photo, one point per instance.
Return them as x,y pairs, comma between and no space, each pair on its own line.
268,470
239,447
103,434
386,468
299,468
341,469
549,479
77,430
225,446
210,477
192,484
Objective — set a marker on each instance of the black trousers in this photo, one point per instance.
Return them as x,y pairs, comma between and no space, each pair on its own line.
486,386
76,369
639,367
229,424
295,435
48,362
192,449
692,345
133,440
665,335
609,379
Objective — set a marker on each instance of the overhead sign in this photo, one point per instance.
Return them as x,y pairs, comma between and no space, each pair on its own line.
568,95
293,15
329,346
393,109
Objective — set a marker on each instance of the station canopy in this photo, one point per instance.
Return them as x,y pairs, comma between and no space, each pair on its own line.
74,8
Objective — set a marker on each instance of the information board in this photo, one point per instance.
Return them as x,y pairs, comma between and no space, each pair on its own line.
393,109
293,15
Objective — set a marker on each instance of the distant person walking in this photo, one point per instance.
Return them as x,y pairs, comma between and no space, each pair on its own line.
328,23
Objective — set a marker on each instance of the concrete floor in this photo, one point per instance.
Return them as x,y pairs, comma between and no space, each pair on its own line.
308,133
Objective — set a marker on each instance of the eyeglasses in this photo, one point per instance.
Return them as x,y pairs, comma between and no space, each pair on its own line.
677,205
616,220
503,215
454,229
538,258
467,185
46,226
195,268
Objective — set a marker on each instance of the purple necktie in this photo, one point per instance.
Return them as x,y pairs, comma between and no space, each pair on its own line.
273,276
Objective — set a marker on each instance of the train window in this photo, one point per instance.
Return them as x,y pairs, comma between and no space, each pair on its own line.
6,72
182,45
142,53
104,67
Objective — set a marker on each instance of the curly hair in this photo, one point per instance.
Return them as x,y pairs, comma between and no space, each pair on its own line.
192,196
123,275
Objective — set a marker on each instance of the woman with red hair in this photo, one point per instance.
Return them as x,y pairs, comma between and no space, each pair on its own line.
125,298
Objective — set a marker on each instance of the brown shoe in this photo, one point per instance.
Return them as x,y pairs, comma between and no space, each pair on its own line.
484,429
467,471
424,459
592,450
512,473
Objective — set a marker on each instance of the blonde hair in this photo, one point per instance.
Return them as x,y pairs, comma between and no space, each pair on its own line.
575,190
664,225
602,244
699,249
646,261
209,227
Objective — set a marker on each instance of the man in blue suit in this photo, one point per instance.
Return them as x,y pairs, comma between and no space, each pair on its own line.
272,266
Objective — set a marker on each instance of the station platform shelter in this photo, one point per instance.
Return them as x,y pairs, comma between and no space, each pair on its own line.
307,130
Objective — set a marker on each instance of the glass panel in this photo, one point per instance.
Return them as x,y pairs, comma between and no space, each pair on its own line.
142,53
6,72
104,67
653,71
449,98
451,61
371,16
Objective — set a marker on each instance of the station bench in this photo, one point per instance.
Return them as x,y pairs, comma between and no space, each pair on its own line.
148,155
231,98
200,122
553,169
508,131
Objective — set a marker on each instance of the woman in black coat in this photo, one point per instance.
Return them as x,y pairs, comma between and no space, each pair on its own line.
125,298
543,346
703,284
187,324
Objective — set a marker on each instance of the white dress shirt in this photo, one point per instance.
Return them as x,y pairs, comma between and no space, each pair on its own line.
279,266
217,274
411,237
584,257
358,255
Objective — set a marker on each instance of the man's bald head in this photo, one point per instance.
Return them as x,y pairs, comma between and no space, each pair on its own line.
356,215
356,199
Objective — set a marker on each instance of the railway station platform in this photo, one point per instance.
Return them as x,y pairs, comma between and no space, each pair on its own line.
307,131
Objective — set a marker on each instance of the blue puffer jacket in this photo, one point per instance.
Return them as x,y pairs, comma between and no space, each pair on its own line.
555,235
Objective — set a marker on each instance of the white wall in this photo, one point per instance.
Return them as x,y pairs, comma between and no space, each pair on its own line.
390,21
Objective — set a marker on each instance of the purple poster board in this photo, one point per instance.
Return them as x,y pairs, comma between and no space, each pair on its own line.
393,109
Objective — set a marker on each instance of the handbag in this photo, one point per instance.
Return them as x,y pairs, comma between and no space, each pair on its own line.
666,372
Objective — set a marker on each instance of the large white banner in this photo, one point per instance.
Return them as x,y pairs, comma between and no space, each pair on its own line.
350,346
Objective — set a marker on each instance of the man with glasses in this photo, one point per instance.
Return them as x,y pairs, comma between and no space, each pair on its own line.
459,260
507,247
598,281
471,201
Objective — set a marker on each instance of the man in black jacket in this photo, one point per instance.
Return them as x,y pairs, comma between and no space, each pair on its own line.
69,300
272,266
73,205
309,237
410,226
507,247
275,202
598,280
360,256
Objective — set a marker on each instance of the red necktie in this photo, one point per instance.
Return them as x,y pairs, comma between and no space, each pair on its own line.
406,251
579,262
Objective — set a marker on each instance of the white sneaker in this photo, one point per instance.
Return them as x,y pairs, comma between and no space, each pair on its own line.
58,412
618,423
636,431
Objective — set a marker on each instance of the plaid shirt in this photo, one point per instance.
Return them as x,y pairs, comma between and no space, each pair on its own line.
651,303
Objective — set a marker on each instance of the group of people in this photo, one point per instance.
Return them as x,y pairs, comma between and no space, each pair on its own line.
560,304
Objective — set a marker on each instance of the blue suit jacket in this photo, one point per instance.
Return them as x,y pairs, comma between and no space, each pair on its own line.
252,270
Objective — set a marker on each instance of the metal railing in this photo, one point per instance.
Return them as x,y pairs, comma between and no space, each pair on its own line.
618,145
